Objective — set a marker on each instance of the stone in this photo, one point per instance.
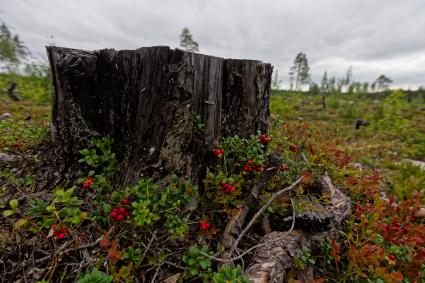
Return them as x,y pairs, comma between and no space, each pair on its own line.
4,157
5,116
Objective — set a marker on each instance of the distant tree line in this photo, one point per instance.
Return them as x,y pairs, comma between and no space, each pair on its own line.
299,79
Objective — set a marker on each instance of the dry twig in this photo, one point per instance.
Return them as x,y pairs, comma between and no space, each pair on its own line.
59,252
231,259
148,247
261,210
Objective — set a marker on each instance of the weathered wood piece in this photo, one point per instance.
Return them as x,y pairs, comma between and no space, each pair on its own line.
146,98
271,262
312,216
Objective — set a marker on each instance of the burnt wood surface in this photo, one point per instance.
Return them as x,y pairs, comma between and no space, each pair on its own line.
145,99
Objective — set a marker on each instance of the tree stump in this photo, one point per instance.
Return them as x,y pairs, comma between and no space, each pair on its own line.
148,101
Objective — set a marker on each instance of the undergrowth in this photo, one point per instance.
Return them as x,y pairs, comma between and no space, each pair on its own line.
140,230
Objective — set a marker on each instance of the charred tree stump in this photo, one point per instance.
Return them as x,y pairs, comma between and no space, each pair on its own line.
151,101
146,100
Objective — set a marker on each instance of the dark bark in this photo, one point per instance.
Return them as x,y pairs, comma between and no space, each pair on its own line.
145,99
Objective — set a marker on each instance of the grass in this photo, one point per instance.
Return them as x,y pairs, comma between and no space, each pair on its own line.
30,116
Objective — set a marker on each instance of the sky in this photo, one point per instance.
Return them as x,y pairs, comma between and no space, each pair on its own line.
374,37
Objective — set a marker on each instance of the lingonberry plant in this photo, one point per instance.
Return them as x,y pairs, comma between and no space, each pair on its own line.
383,240
197,265
204,225
59,231
134,231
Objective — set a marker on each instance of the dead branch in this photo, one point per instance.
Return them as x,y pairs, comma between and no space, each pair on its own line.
261,210
234,258
59,252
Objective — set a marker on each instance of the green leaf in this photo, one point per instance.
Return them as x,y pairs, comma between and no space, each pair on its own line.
18,224
193,271
13,204
205,263
107,208
193,251
191,261
7,213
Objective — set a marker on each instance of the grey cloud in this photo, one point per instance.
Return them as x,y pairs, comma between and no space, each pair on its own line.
373,36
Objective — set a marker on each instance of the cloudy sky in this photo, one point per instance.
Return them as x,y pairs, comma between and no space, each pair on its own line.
373,36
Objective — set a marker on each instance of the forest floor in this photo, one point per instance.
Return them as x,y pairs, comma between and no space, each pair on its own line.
383,241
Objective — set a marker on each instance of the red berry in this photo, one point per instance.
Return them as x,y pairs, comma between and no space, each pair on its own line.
227,188
113,214
120,217
218,153
391,257
246,168
264,139
293,148
86,186
204,225
61,236
257,168
121,210
125,201
63,230
126,213
115,209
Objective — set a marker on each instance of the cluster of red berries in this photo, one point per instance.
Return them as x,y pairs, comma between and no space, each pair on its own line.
227,188
59,231
218,152
264,139
87,182
204,225
293,148
251,166
119,213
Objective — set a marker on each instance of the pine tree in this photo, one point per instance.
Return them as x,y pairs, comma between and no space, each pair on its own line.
365,88
349,76
324,85
12,50
276,82
382,83
300,71
332,84
187,42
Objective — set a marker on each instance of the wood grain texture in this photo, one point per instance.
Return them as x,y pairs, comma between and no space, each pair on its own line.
145,98
271,262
